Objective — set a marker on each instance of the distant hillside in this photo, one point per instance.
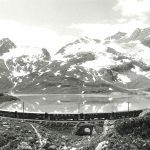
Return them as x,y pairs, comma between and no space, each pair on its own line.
5,98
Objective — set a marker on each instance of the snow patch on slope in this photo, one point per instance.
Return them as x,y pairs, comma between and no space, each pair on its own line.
19,51
123,78
137,70
84,47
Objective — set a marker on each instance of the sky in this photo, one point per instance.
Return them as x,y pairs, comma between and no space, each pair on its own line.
53,23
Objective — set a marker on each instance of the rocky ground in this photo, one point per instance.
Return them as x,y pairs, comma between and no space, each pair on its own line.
123,134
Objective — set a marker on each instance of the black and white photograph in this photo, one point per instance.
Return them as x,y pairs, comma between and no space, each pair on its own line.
74,74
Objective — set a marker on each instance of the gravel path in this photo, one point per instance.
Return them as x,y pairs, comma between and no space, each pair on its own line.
41,142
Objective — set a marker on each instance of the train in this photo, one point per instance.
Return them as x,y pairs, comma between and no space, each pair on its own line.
71,117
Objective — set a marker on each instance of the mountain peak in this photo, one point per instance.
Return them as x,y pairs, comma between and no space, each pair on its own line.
116,36
135,34
84,39
140,34
46,54
5,45
81,41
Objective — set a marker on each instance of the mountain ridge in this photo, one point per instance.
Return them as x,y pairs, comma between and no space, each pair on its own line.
119,63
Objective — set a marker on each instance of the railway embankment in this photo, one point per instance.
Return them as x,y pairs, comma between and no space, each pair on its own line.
126,133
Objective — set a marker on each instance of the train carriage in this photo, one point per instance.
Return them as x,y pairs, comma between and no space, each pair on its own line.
71,117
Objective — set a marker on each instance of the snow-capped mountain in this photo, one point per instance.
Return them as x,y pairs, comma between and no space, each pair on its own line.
119,63
5,82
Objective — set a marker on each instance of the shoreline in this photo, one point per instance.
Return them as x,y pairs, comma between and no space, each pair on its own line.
3,104
84,95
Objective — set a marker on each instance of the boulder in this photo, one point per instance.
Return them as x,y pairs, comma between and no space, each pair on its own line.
52,147
102,145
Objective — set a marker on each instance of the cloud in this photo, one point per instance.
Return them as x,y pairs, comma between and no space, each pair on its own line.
93,30
36,37
130,8
103,30
133,15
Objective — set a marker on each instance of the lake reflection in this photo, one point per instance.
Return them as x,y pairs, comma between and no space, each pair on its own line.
77,103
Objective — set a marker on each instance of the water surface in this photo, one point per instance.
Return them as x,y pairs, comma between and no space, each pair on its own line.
77,103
